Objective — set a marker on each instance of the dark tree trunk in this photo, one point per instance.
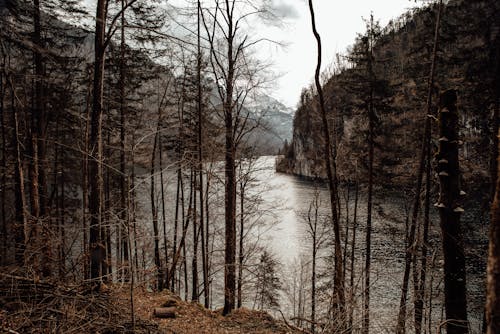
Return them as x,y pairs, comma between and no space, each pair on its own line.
241,255
176,223
200,165
493,272
493,277
400,329
194,263
96,242
449,214
21,224
106,230
371,143
353,248
4,170
85,181
123,226
230,179
154,214
338,284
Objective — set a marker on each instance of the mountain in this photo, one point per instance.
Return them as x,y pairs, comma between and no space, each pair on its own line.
277,124
274,119
467,60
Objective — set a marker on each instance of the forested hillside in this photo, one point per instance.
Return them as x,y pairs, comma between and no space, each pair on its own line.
402,51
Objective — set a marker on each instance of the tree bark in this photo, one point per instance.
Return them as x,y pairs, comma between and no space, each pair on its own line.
493,272
154,214
96,243
194,263
21,223
200,163
449,214
338,284
241,255
371,143
4,169
123,226
230,175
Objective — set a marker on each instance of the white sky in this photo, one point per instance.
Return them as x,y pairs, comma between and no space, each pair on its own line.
337,21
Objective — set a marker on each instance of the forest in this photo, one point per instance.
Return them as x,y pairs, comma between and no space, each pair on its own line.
150,183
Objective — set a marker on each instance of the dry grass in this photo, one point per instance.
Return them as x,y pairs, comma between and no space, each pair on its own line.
33,306
194,318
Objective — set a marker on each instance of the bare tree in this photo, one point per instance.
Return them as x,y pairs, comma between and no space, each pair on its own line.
338,285
228,45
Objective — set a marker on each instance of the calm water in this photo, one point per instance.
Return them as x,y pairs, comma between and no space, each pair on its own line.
286,198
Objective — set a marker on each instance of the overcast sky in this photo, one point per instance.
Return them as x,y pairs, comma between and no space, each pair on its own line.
338,22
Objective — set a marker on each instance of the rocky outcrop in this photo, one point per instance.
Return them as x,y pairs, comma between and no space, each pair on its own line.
466,62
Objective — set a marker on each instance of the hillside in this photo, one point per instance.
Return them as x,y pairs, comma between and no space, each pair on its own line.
465,59
34,306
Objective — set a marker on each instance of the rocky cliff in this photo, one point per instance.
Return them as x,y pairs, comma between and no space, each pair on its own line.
467,60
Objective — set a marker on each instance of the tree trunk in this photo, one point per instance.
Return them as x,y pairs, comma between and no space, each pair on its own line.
4,170
176,223
154,214
21,223
371,143
194,263
85,181
241,256
400,328
338,284
96,243
230,179
123,225
493,273
200,164
449,214
353,248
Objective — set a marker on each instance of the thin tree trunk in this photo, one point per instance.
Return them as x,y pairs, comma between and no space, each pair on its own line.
163,212
176,223
96,246
200,164
123,256
4,169
230,176
35,119
131,264
371,143
449,213
194,263
207,233
154,214
85,183
400,328
346,237
107,214
241,250
131,208
421,281
353,259
338,284
493,272
21,223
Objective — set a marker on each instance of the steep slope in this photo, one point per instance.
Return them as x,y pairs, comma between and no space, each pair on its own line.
466,62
